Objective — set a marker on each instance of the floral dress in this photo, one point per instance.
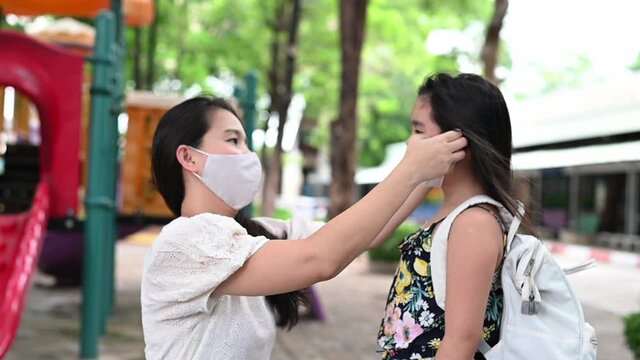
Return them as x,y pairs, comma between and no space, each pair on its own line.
413,327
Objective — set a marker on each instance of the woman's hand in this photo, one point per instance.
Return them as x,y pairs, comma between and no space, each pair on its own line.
427,159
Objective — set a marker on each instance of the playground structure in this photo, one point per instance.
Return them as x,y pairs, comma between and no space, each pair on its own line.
139,196
59,204
53,92
52,77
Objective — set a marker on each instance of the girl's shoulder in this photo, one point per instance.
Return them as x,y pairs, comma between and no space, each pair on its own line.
477,220
481,217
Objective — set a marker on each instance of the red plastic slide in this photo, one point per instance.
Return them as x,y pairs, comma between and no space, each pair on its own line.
52,78
21,238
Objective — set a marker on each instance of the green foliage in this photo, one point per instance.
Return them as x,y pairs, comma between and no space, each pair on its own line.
318,72
281,213
389,251
395,61
200,38
632,333
636,65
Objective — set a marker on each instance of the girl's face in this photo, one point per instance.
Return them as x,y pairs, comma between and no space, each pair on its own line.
422,122
225,136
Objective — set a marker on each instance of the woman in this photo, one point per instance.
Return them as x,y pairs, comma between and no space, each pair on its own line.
414,326
205,277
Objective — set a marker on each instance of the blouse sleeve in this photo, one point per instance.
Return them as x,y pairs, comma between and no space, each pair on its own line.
297,227
195,258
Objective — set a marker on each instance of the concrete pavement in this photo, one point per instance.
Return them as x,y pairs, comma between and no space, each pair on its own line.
354,302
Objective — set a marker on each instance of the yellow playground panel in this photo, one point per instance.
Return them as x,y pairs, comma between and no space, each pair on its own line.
140,197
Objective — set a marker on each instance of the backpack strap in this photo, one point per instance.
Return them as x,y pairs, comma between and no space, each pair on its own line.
440,239
483,346
439,247
515,224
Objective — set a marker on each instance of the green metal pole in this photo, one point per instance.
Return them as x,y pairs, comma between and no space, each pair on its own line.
98,201
111,162
238,93
249,106
248,102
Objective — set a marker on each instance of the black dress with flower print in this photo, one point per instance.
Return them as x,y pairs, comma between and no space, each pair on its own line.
413,326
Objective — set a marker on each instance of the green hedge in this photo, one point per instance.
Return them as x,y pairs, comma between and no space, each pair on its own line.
632,333
389,250
281,213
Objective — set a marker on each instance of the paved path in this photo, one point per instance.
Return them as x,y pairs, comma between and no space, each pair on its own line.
354,302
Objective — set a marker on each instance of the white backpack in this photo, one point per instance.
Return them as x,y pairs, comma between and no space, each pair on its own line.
542,318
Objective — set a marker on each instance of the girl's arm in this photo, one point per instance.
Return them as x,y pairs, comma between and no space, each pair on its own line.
283,266
473,255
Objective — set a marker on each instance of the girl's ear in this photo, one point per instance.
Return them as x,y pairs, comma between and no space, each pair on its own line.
188,160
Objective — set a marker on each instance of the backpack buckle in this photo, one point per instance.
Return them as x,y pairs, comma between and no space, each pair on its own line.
530,307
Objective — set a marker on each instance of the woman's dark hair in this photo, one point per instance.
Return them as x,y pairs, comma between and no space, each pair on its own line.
187,123
476,107
285,306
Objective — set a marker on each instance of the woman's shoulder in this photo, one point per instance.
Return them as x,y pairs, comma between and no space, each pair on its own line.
183,231
203,220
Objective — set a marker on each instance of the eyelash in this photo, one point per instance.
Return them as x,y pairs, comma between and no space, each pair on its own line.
416,131
234,140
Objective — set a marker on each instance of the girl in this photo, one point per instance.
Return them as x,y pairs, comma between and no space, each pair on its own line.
414,325
205,277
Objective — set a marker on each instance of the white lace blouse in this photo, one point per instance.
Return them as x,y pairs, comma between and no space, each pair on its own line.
189,259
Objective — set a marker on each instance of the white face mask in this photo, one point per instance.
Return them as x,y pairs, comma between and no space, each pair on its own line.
435,183
235,179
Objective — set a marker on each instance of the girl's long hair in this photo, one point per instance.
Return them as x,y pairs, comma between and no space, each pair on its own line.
476,107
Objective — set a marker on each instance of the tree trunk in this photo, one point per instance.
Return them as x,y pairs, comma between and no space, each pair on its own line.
281,95
344,130
137,54
151,50
270,188
491,48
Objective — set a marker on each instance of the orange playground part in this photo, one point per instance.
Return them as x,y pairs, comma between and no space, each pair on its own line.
136,12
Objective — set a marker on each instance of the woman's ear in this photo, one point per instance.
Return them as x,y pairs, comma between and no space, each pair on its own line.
188,160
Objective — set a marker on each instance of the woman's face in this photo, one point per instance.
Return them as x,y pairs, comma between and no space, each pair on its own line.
422,122
225,136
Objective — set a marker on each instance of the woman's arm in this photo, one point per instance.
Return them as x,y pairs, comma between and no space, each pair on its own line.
474,252
409,206
283,266
295,228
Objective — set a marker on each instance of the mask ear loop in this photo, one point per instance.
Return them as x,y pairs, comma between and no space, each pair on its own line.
197,150
193,162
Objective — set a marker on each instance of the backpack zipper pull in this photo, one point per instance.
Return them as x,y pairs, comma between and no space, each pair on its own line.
529,268
532,261
530,307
